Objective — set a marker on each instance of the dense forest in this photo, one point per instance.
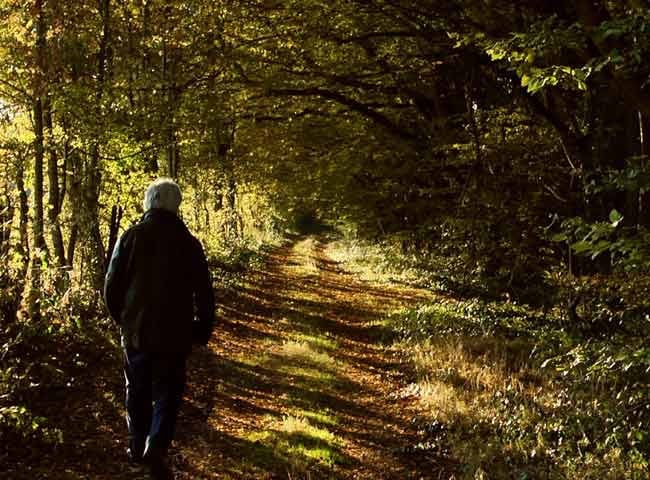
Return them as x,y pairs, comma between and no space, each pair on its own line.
491,153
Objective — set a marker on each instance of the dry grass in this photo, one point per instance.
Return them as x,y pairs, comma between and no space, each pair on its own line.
457,374
484,396
299,351
366,261
475,364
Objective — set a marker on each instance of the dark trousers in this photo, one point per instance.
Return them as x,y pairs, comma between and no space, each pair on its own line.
154,389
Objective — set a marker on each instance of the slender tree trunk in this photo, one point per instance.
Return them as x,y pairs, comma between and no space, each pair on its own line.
37,216
151,161
23,214
172,97
90,228
6,217
114,228
631,205
644,198
12,279
72,187
172,151
72,244
76,202
151,158
225,137
54,200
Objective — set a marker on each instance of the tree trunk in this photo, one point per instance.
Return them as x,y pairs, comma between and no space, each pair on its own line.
644,197
94,248
73,160
233,225
172,97
224,134
114,228
12,280
23,213
37,216
6,216
89,226
72,245
54,201
151,161
172,151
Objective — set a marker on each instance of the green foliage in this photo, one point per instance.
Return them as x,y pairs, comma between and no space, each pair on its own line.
18,420
625,242
470,318
592,416
17,379
514,389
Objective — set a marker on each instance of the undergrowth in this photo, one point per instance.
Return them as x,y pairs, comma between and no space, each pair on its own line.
40,359
522,391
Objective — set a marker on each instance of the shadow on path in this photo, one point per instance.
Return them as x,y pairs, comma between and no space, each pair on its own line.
248,386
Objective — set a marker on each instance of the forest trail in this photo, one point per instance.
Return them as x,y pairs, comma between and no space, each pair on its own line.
296,383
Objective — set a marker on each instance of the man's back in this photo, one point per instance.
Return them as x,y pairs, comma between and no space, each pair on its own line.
157,269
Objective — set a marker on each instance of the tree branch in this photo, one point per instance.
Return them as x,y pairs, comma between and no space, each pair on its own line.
354,105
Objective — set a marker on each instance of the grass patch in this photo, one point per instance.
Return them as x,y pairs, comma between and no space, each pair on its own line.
321,417
322,343
301,443
302,438
308,376
522,406
368,262
514,391
302,352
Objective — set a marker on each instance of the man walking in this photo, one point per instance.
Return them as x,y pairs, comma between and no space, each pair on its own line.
158,289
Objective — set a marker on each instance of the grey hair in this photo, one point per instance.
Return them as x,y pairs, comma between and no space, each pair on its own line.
162,193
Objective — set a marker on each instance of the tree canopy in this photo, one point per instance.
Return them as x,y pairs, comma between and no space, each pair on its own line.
501,145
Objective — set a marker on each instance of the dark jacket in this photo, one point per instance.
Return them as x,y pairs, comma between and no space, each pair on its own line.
157,282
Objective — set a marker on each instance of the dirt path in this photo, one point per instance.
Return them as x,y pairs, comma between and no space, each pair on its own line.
297,383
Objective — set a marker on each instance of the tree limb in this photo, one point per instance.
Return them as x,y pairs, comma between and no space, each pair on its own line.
354,105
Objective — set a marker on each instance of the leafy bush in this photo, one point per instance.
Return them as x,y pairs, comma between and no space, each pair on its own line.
18,421
16,380
470,318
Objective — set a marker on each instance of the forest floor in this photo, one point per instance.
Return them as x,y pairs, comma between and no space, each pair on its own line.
299,381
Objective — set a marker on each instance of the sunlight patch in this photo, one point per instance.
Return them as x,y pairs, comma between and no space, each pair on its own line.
301,351
317,342
253,360
309,376
300,442
322,417
442,399
305,263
